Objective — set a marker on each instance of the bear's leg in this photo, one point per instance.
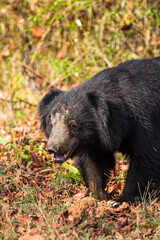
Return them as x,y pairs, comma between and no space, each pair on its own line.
94,166
137,181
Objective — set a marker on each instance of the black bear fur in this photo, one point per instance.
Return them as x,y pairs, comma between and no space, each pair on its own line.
118,109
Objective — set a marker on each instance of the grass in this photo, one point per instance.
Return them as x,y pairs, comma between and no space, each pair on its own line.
99,34
34,196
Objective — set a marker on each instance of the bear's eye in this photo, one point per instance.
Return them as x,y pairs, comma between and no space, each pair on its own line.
73,125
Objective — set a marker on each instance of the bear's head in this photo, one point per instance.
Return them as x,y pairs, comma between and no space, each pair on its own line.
67,119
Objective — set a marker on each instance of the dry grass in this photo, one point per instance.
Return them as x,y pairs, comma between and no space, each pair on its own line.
63,43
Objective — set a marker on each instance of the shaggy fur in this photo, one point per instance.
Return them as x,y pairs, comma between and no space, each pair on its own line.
116,110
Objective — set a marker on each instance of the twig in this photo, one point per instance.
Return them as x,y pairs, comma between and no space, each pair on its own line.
123,5
33,71
28,173
110,64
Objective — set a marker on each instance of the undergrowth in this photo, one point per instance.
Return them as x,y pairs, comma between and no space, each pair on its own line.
61,44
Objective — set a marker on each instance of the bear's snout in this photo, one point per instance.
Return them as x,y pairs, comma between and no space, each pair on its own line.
50,149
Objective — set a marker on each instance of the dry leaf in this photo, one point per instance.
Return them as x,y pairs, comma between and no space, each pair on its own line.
6,199
118,236
35,158
34,231
70,218
63,52
109,2
36,32
79,195
32,235
5,52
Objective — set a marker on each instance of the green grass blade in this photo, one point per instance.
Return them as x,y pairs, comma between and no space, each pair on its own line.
3,141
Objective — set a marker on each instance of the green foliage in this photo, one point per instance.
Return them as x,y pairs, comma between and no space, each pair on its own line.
66,68
152,223
71,168
101,34
47,170
73,172
3,141
93,29
153,15
121,177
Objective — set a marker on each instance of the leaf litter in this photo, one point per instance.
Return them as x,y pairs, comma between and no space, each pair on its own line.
38,202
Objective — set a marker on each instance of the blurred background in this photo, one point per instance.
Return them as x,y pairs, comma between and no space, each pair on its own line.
62,43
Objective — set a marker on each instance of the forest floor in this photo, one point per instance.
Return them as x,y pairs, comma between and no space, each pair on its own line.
62,43
42,200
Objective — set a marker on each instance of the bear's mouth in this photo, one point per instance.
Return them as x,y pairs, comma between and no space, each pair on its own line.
62,158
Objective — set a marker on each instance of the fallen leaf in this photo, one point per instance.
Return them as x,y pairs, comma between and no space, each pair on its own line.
31,237
68,199
35,158
126,229
36,32
5,52
118,236
34,231
6,199
70,218
79,195
63,52
91,224
109,2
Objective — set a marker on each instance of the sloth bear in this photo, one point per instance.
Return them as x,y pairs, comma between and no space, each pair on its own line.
118,109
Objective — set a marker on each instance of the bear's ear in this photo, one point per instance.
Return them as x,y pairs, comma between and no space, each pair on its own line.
93,98
47,99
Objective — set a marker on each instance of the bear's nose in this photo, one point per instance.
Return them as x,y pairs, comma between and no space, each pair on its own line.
51,150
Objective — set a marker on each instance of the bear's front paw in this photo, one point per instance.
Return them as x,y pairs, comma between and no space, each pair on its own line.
113,203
